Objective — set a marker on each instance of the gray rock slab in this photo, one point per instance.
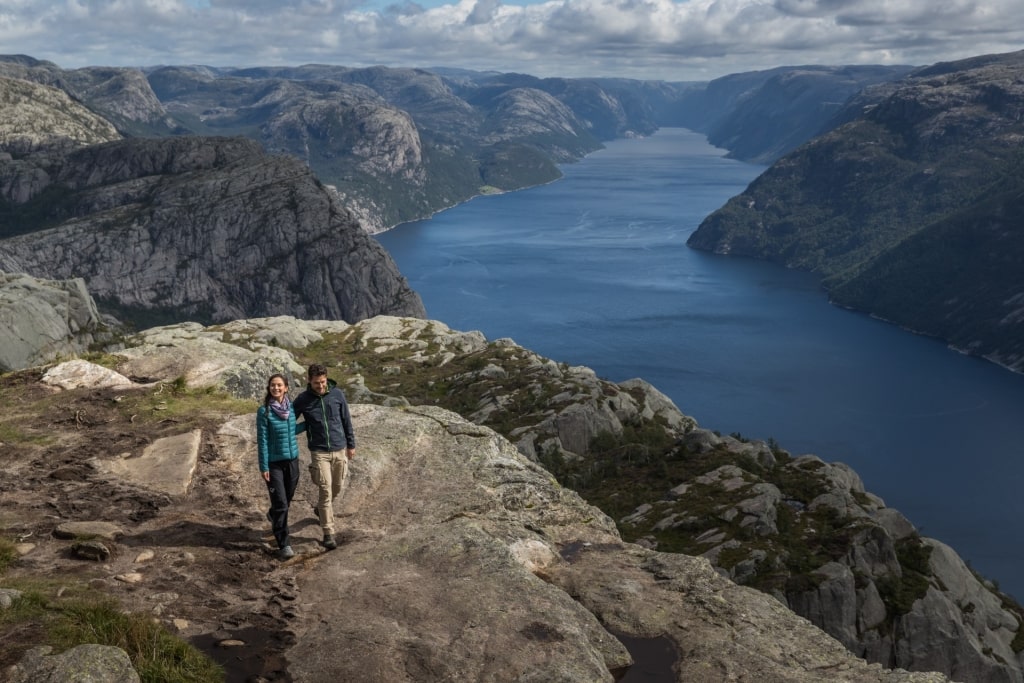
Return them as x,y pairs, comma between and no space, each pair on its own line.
166,465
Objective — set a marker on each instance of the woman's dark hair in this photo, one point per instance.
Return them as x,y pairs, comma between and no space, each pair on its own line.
266,399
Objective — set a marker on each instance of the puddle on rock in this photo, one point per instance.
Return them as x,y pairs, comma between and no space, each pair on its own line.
258,657
654,660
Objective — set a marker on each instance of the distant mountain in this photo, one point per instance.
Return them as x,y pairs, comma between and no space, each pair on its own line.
759,116
182,228
120,95
397,144
910,209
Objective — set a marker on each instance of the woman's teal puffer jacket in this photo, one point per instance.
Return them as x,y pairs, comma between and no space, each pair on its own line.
275,437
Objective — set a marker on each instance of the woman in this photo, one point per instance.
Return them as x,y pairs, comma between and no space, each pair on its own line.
279,457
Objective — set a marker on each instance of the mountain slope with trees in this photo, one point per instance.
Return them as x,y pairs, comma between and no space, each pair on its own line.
909,210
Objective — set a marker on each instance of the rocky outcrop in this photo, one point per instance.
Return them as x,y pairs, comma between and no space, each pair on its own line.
460,558
200,228
41,320
808,533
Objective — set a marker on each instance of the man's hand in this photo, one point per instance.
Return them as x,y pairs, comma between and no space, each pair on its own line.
266,476
350,453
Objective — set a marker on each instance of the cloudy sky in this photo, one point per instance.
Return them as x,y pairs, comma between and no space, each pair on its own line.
652,39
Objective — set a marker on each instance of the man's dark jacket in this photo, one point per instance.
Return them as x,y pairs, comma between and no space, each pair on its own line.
328,423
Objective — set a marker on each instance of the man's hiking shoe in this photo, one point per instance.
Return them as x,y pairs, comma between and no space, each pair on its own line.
286,553
329,542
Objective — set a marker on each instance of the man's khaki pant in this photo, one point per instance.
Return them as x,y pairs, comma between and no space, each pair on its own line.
328,471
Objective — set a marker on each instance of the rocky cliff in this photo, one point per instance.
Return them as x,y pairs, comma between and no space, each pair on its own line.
910,209
195,228
461,558
798,528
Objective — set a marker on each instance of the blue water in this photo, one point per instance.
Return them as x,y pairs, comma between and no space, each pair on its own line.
594,270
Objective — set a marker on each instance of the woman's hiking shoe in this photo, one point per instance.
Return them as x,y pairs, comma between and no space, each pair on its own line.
329,542
286,553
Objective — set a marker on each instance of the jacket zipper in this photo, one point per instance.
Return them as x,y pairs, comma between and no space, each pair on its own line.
327,426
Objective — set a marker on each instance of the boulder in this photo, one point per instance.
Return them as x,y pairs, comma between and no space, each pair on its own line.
92,663
41,320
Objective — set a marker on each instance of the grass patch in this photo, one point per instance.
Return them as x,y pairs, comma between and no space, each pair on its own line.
12,434
109,361
7,554
175,401
66,616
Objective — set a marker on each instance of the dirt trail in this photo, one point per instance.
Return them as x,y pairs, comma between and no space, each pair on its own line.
198,562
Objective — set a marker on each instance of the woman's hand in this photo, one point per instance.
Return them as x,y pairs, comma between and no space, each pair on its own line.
266,476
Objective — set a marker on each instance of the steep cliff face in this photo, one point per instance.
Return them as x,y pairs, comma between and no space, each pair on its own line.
370,151
199,228
909,209
807,532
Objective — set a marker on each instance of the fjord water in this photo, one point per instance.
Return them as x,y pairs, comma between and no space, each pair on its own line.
594,270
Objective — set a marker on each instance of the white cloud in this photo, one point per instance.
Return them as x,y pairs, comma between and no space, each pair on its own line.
675,40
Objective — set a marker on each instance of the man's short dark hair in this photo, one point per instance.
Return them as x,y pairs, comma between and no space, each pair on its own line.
315,370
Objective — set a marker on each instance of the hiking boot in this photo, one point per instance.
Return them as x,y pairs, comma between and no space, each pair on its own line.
286,553
329,542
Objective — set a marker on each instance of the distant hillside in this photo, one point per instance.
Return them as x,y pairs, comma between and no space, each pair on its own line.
761,115
910,210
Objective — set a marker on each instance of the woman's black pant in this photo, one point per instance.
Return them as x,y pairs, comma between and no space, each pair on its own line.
284,478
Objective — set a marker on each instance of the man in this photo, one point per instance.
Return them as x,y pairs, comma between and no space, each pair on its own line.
332,442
